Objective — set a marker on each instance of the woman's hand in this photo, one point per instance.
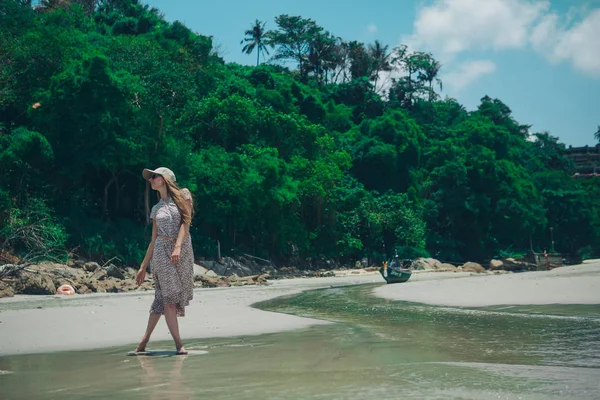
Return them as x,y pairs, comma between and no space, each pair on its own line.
175,255
140,276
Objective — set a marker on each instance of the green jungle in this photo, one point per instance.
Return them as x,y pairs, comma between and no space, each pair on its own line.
326,149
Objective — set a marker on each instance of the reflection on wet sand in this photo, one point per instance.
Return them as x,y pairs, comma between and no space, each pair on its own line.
163,378
377,349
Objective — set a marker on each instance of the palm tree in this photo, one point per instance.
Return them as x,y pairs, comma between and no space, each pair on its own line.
429,73
380,60
597,134
255,39
51,5
321,55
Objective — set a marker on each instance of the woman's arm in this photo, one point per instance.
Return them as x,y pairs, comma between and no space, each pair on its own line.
139,278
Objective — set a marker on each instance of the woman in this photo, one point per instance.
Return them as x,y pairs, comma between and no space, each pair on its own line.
170,252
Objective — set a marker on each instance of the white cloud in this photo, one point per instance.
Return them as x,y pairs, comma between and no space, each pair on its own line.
372,28
467,73
578,43
449,27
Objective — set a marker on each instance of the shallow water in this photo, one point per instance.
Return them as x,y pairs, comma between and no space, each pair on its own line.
377,349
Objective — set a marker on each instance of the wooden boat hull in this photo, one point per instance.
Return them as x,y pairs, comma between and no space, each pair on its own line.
395,275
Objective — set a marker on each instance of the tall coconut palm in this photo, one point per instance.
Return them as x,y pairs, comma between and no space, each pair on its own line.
255,39
429,73
380,60
597,134
51,5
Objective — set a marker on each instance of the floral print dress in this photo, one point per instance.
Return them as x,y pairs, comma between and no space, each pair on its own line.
174,284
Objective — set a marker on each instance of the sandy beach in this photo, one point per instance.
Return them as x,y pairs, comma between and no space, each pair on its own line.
551,353
577,284
39,324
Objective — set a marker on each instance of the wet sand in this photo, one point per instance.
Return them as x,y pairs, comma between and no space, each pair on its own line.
375,348
577,284
39,324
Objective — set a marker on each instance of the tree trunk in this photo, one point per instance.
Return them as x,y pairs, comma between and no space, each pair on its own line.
106,187
430,90
118,197
159,133
147,202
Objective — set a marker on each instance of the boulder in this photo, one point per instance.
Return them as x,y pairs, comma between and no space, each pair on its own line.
231,267
472,267
510,264
35,283
211,281
75,263
82,288
61,272
130,273
426,264
447,267
6,290
199,270
99,275
496,264
112,285
115,272
91,266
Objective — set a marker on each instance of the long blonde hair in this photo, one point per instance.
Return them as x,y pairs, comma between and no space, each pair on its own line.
176,193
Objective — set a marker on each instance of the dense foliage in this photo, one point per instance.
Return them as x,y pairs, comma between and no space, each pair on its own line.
317,157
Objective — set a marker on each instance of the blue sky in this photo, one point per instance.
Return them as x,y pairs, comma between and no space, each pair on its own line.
540,57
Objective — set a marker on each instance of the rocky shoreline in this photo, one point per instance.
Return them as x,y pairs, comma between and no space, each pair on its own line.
90,277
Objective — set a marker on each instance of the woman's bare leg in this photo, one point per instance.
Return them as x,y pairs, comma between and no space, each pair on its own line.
171,318
152,321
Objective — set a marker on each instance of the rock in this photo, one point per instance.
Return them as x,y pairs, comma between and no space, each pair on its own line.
207,264
115,285
75,263
212,274
99,275
510,264
115,272
82,288
473,267
496,264
130,273
199,270
447,267
427,264
62,272
234,267
145,286
209,281
35,283
91,266
6,290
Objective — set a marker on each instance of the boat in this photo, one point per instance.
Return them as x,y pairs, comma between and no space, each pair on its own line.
396,271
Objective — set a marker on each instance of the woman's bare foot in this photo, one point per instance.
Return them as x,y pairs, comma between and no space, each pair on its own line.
181,351
142,346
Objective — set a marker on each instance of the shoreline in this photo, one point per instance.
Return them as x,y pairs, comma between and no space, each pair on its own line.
42,324
575,284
